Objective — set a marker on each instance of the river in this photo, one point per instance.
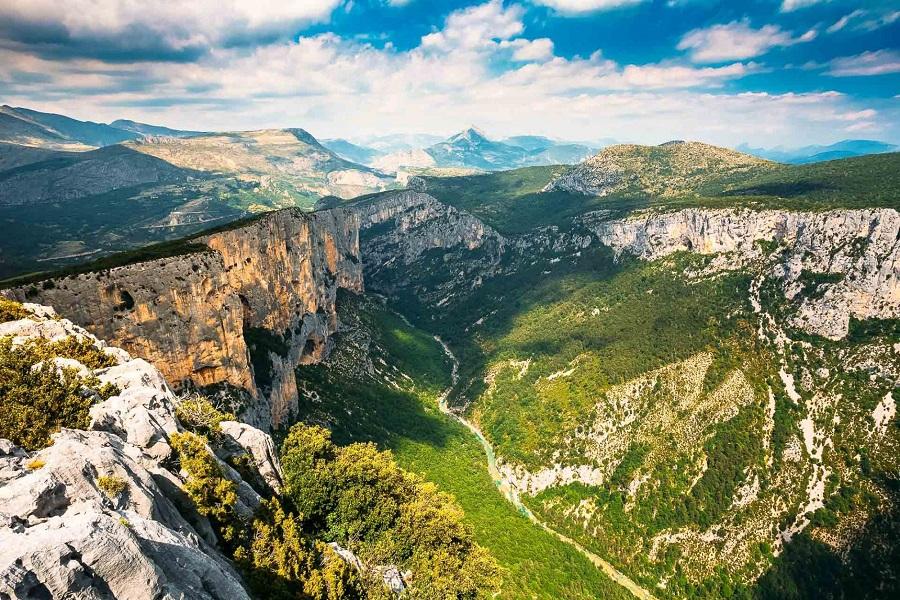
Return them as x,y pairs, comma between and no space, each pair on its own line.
510,492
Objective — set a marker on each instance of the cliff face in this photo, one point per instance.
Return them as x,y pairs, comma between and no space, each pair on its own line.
266,288
410,241
858,251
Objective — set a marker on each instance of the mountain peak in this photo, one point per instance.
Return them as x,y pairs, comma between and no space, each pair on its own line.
471,134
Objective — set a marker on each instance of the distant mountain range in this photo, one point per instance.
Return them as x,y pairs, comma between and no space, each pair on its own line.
468,149
28,127
811,154
77,189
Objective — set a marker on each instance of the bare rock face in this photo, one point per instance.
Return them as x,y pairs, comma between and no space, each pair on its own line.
407,236
241,438
860,249
63,536
190,315
143,413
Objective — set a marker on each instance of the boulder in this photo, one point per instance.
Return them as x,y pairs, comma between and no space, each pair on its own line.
240,438
63,537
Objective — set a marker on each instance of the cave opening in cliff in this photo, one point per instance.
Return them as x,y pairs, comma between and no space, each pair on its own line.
247,313
126,300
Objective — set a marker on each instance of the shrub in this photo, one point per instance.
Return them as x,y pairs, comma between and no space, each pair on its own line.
284,562
359,498
211,492
197,414
78,348
38,401
11,310
112,485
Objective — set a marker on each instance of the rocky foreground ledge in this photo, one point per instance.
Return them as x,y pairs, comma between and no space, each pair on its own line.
64,533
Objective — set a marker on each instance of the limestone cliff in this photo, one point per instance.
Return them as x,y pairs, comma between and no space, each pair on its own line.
269,285
408,239
857,250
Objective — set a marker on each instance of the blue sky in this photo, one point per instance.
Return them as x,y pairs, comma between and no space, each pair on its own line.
766,72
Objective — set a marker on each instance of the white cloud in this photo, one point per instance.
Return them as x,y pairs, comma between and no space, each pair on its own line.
477,27
578,7
879,62
528,50
792,5
861,126
858,115
864,20
339,87
737,41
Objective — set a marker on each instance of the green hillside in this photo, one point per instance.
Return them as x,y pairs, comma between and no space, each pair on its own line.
512,201
382,384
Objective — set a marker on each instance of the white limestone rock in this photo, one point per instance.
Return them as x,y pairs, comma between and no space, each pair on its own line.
143,413
862,246
240,438
64,538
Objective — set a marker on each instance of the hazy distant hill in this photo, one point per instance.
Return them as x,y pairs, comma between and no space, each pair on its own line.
67,176
472,149
810,154
290,164
352,152
147,129
59,129
396,142
28,127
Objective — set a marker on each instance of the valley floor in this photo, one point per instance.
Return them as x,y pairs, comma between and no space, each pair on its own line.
383,383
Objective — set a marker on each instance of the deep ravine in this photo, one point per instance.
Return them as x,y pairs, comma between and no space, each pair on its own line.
511,493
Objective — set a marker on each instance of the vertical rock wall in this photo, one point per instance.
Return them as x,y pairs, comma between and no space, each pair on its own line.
193,315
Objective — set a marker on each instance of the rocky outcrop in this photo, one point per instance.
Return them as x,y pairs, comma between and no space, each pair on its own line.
63,536
451,249
242,439
419,223
194,316
858,252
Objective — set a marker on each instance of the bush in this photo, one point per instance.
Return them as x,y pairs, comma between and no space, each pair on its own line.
11,310
197,414
359,498
38,401
284,562
80,349
112,485
212,493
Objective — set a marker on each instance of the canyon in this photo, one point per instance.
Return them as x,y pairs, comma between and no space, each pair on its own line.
247,305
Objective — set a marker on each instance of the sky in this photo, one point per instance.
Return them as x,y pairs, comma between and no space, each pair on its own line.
763,72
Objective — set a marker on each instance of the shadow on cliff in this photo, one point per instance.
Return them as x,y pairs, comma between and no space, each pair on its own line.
360,411
810,569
